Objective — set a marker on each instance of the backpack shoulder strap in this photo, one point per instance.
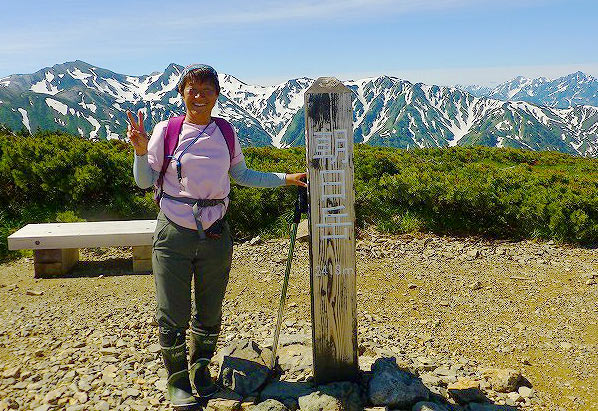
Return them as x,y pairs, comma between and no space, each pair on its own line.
171,139
228,133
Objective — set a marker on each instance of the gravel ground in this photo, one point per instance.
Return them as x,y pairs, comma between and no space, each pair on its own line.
88,341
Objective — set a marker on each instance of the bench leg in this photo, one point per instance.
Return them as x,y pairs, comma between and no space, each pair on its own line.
57,262
142,258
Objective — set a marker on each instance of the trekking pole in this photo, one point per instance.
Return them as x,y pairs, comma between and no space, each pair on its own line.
300,206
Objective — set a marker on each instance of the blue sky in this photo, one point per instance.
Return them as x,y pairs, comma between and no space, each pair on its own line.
265,42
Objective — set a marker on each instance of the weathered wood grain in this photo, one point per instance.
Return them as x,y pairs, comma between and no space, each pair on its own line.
329,152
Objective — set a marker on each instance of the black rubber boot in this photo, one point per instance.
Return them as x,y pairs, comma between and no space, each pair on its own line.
174,354
201,349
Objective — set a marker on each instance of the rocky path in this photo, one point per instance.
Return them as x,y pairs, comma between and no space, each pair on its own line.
455,313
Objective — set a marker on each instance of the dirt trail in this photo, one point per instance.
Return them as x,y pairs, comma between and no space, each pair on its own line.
531,306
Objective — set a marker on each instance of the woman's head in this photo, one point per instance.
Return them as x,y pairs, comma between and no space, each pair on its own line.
199,89
198,73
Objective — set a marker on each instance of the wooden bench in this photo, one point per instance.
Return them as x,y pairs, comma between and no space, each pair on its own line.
56,245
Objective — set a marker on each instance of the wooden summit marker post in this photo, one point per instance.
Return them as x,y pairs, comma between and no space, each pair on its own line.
329,152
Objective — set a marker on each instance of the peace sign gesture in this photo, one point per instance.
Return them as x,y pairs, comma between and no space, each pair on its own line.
136,133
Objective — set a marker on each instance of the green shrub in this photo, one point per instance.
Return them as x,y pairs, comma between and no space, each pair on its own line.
503,193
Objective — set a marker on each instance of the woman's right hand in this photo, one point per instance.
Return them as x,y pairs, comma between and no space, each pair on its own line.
136,133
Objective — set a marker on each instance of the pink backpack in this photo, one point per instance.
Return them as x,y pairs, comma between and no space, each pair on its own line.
171,140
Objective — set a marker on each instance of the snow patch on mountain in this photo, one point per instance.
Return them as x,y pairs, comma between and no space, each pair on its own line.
25,118
462,124
111,135
79,75
173,79
96,124
57,105
45,86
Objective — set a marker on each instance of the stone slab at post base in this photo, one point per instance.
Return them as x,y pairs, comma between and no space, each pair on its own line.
54,262
142,258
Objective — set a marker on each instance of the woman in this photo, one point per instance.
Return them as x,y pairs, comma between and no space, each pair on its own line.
192,239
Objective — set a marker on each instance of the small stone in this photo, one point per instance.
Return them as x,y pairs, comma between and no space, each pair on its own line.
160,385
476,285
255,240
515,396
81,397
526,392
12,372
110,369
154,348
130,392
33,292
474,253
411,286
566,346
102,406
109,351
84,385
51,397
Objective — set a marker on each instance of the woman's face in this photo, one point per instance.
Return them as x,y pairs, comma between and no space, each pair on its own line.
199,97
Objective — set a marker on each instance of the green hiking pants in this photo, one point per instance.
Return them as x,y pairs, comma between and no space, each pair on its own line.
180,257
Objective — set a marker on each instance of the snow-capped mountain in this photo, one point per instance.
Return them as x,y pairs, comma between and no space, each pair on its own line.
90,101
475,90
564,92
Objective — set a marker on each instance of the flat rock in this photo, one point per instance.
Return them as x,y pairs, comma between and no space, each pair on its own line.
474,406
286,392
503,379
224,400
428,406
295,357
393,387
269,405
243,369
466,390
317,401
343,396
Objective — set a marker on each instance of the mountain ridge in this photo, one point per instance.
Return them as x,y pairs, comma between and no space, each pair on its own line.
83,99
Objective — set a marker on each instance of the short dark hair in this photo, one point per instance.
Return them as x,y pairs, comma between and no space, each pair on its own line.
201,75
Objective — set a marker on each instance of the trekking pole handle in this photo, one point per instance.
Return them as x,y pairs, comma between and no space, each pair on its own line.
300,204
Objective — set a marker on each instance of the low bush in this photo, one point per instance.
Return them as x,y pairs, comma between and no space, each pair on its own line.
504,193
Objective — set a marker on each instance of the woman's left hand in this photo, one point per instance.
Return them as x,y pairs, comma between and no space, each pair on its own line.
296,179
